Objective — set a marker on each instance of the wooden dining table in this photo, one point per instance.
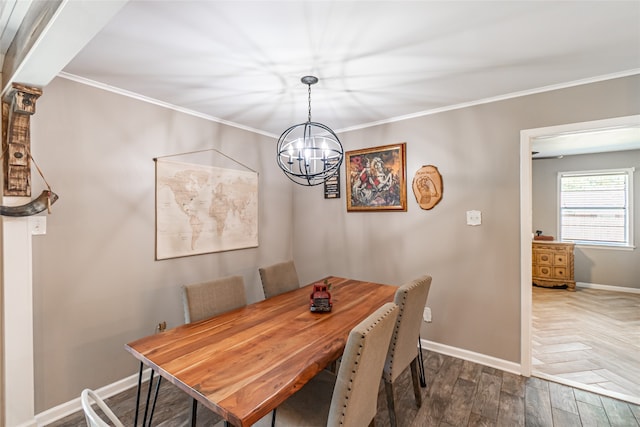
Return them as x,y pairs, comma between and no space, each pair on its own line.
244,363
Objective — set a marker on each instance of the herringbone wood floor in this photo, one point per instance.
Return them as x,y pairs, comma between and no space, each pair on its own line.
589,336
459,393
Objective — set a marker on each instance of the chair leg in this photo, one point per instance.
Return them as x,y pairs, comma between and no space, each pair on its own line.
273,418
423,380
390,403
414,378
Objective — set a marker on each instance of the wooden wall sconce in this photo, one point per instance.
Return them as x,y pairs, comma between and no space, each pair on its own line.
16,151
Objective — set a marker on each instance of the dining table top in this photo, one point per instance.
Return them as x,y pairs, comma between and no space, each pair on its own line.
243,363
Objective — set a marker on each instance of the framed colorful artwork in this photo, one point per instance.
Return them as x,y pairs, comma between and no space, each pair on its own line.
376,178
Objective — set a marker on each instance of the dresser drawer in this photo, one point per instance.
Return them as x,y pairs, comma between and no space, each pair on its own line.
543,271
553,264
560,259
544,258
560,272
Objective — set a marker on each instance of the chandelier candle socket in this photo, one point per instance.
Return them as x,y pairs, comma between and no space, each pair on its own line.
309,153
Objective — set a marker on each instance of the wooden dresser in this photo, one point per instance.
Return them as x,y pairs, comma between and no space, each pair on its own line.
553,264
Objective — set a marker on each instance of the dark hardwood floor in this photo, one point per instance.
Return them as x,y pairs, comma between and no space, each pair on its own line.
458,393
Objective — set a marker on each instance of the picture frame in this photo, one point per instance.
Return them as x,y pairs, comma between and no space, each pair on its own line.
376,179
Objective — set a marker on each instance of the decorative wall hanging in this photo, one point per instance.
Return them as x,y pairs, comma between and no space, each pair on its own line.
203,209
376,179
427,186
332,185
16,120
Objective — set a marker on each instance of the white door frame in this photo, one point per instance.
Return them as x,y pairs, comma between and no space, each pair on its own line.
526,224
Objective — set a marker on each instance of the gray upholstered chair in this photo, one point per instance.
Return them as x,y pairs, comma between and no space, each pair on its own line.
207,299
355,388
279,278
202,300
411,299
88,397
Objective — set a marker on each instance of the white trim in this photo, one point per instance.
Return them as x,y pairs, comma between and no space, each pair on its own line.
471,356
543,89
163,104
495,99
526,224
526,235
588,387
608,287
17,319
58,412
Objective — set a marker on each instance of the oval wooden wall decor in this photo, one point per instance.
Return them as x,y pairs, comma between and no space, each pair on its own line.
427,186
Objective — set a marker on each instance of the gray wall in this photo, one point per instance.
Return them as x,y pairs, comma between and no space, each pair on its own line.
603,266
475,294
97,286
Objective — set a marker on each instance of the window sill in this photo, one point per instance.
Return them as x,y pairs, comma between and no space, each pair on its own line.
606,247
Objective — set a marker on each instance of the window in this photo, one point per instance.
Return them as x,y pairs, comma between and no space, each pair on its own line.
596,207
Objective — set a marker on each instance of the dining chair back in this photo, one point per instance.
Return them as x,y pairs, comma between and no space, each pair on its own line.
355,397
411,299
350,398
279,278
207,299
89,397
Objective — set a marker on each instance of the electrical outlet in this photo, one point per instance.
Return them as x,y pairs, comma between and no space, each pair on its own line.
38,224
426,315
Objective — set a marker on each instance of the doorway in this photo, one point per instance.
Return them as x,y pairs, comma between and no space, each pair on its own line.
527,138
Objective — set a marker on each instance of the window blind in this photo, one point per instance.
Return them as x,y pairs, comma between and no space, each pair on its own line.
595,206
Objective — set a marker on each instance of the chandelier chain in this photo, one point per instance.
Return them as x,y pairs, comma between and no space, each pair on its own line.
309,117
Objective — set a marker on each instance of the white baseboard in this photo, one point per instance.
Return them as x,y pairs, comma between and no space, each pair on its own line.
58,412
607,287
471,356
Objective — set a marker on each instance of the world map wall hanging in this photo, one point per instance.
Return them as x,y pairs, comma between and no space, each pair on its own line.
203,209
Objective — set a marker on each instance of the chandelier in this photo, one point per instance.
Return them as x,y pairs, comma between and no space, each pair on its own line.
309,153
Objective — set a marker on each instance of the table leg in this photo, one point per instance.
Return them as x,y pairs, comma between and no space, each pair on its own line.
146,408
155,399
135,419
194,410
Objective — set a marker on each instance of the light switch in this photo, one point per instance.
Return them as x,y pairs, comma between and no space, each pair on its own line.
426,315
474,217
38,224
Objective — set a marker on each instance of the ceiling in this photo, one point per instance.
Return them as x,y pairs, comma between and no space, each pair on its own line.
240,62
597,140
